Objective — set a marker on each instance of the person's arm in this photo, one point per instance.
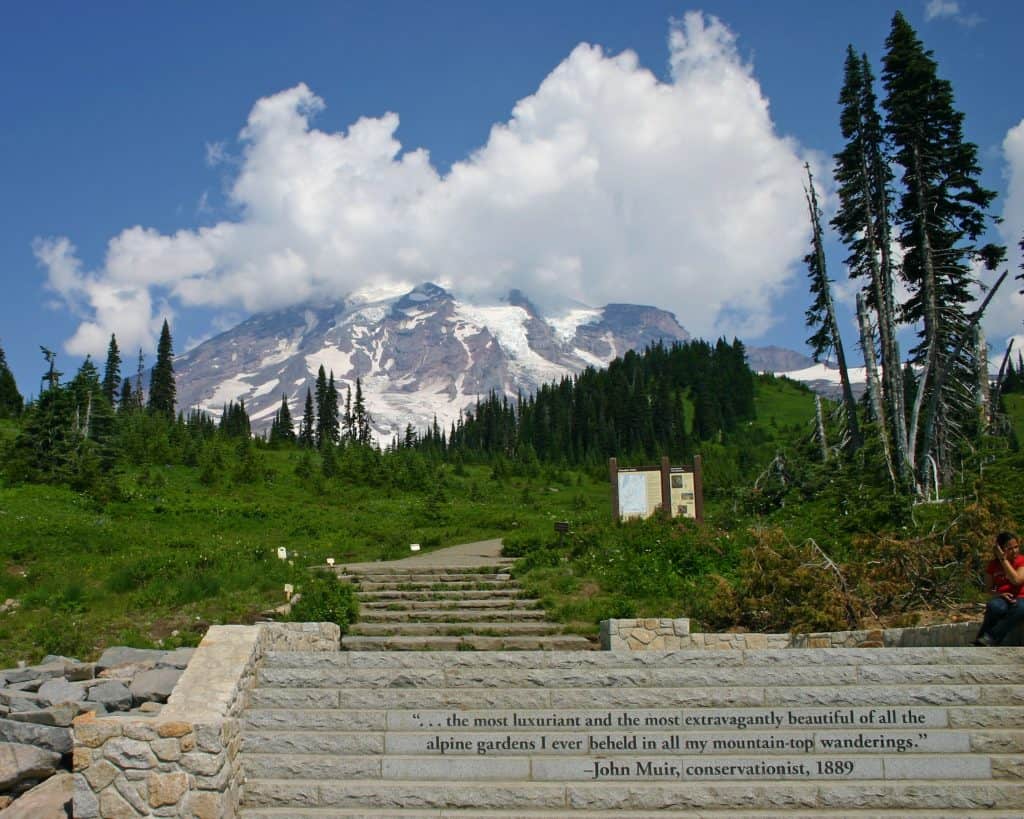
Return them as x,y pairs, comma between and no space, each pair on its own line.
1013,573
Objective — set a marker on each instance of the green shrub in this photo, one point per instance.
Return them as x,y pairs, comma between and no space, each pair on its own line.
325,599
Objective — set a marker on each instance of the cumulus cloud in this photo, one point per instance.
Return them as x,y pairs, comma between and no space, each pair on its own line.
606,184
1006,311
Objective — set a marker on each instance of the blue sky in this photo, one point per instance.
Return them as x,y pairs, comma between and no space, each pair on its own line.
515,159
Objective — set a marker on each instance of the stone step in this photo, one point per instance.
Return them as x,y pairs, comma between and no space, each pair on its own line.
794,767
451,628
459,614
567,797
414,584
991,728
448,813
492,594
753,661
805,677
385,567
504,603
438,576
474,642
619,698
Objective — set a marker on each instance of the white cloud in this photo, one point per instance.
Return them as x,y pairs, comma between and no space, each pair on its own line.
1006,311
606,184
941,8
950,10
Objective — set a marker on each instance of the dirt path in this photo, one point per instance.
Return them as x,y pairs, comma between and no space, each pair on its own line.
481,553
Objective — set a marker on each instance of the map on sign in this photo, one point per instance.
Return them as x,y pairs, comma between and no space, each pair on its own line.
632,494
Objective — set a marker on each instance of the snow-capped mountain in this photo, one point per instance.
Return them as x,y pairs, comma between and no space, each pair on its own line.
418,354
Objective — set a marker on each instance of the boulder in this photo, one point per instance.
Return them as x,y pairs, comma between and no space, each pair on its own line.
42,736
32,673
54,691
19,700
51,800
155,685
60,714
114,695
119,655
176,659
21,764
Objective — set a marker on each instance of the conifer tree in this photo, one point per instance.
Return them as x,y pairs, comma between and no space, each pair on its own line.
283,429
307,427
162,390
331,426
112,373
864,177
11,402
361,418
941,214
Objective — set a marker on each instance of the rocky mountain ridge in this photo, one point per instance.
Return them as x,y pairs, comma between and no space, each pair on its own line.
418,354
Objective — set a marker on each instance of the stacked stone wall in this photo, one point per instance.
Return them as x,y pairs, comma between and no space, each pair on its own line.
184,761
668,634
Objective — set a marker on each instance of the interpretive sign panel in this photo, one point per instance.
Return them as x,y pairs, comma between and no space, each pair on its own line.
638,492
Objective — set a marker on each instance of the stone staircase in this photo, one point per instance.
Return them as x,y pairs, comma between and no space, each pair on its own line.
402,608
697,733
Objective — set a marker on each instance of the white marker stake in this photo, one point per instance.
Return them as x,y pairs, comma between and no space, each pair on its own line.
414,547
282,553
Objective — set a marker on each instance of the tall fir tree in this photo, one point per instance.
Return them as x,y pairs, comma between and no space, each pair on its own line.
307,427
11,402
361,418
331,427
864,179
941,215
112,373
162,389
282,430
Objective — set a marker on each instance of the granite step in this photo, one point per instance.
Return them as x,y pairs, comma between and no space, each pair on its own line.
451,627
841,732
415,584
504,603
455,614
425,577
442,594
657,796
469,642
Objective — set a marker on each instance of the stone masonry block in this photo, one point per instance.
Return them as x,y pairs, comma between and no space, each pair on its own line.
205,805
142,731
166,789
166,750
81,758
94,732
114,806
173,729
100,775
210,738
133,792
85,803
202,764
129,753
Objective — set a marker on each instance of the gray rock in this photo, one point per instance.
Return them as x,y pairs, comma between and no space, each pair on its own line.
155,685
54,691
177,659
114,695
51,800
58,658
34,672
24,763
61,714
19,701
79,671
87,806
42,736
119,655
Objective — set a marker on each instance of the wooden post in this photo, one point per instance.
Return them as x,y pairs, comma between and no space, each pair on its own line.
613,474
666,487
698,488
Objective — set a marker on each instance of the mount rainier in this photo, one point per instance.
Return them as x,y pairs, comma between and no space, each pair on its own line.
418,354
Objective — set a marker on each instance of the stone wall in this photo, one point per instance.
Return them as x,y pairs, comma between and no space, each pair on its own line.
666,634
184,761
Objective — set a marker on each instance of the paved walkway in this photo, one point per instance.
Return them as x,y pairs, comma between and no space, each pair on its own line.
481,553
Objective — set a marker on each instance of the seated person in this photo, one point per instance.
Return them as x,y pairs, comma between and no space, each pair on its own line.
1005,577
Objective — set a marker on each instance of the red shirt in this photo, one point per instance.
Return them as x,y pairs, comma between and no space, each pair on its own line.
1000,581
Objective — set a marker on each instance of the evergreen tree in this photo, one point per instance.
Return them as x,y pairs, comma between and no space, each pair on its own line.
941,215
282,431
864,178
234,421
322,421
361,418
331,422
112,373
307,427
162,390
11,402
